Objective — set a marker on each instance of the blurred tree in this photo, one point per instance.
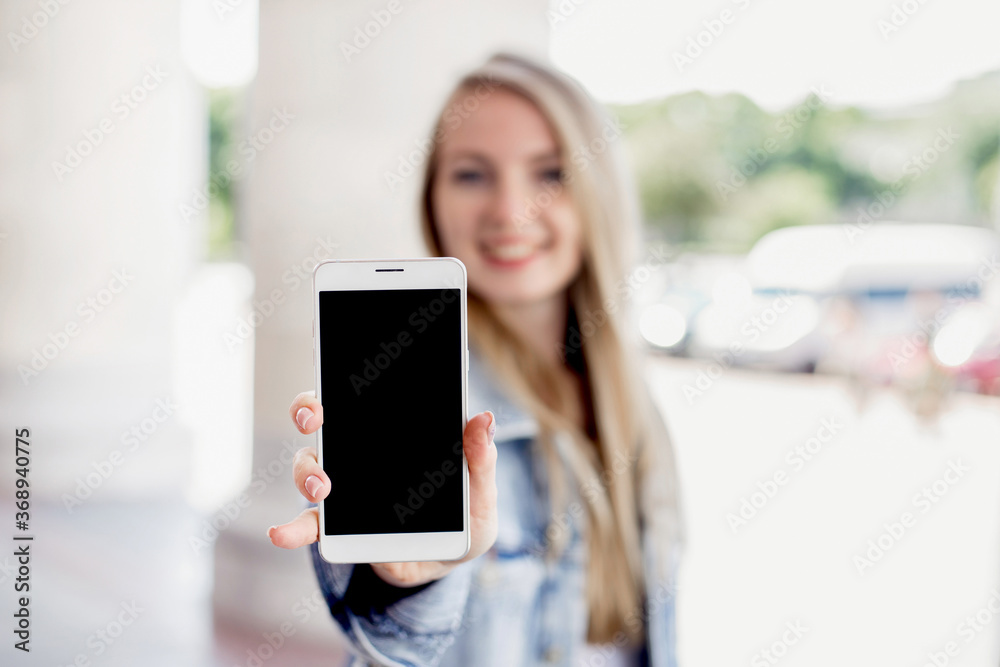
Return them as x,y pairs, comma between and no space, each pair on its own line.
718,172
224,118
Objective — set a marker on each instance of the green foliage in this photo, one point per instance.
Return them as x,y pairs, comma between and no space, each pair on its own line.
718,172
224,120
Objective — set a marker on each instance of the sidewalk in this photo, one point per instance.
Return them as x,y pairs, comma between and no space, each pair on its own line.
877,534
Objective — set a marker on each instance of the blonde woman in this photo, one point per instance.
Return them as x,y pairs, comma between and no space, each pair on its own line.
574,501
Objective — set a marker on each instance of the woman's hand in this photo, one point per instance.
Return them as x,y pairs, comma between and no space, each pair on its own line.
313,483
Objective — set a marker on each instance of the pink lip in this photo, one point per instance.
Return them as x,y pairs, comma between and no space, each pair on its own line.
509,264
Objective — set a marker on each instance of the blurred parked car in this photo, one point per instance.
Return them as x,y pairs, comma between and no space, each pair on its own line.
879,302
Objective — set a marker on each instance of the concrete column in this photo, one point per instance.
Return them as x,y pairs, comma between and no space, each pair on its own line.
354,105
102,133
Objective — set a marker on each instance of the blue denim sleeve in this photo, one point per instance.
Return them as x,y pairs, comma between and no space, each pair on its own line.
394,626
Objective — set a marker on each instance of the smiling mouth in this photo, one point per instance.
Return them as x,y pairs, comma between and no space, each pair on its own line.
511,254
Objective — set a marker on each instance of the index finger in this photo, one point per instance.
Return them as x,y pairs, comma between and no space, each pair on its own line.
306,412
310,479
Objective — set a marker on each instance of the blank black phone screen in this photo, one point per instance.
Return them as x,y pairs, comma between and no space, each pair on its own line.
391,374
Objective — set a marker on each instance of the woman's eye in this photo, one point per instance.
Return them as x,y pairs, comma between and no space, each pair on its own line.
552,175
468,176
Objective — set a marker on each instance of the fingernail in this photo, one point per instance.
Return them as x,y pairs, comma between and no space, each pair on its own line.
303,416
269,530
493,427
313,485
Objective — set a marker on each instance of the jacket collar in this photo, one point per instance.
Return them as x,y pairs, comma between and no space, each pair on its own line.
514,420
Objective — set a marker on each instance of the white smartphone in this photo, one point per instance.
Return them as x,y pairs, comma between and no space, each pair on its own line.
391,355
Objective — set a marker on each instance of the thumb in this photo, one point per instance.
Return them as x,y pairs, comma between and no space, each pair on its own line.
481,454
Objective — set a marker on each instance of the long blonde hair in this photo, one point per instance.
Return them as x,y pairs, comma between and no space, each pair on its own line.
627,477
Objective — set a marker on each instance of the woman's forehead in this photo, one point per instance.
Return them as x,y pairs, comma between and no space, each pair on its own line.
499,123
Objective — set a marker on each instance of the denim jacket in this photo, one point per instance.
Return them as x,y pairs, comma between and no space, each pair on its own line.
511,606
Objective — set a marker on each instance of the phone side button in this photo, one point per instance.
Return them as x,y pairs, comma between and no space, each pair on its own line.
466,360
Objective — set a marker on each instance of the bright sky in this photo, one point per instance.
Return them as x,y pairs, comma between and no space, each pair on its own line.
775,51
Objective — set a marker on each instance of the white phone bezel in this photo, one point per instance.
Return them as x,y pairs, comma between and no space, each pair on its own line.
424,273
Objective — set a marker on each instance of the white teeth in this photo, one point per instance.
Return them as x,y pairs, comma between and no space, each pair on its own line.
511,251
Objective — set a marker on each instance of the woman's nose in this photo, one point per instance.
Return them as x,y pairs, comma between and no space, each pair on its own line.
511,204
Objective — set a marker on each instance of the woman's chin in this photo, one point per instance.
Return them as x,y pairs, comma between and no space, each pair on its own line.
515,295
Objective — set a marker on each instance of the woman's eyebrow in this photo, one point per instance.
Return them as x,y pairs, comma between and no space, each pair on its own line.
466,154
459,154
547,156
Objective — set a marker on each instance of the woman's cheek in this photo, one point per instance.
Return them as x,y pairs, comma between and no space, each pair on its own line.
449,228
459,242
566,224
569,239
